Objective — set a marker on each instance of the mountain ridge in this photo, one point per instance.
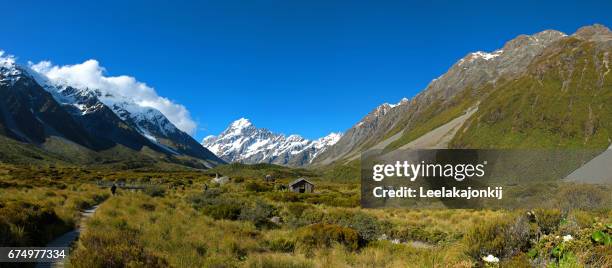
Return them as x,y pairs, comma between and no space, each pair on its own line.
458,91
507,93
36,109
245,143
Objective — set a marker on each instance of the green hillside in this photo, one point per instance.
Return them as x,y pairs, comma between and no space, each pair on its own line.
563,101
435,115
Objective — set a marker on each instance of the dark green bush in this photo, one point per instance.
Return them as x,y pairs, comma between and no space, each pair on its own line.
300,218
257,187
205,198
368,227
81,204
325,235
25,224
148,206
229,207
212,193
224,209
6,236
259,213
297,209
155,191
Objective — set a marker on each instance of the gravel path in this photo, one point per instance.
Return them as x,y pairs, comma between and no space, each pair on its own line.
68,239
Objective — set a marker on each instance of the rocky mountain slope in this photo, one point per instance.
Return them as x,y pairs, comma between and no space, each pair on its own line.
546,90
143,122
364,134
43,112
30,114
245,143
551,81
561,100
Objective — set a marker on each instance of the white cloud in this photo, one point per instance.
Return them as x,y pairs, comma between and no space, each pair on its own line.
90,74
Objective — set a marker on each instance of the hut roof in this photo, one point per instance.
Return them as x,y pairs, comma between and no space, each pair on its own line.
299,180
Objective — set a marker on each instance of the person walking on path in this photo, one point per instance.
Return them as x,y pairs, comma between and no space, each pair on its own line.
114,188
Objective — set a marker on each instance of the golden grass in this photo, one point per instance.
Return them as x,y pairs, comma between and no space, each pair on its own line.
138,230
184,237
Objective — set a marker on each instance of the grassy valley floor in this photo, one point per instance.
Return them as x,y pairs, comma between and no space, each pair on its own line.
251,223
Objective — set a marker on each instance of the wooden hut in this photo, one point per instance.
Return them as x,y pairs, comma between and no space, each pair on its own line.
302,185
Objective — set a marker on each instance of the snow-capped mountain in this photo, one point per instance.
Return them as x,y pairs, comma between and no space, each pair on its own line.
101,119
245,143
9,73
148,122
473,70
29,114
463,89
374,124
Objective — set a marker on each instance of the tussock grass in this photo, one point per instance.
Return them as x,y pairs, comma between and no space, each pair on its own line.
177,224
40,203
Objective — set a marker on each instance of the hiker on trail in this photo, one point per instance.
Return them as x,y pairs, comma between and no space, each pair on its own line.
114,188
205,187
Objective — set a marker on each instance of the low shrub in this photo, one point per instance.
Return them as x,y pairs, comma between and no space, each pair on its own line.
501,237
519,261
325,235
79,203
5,233
26,224
219,207
205,198
368,227
286,197
297,209
147,206
583,196
599,256
414,233
117,247
303,216
280,244
583,219
333,199
278,261
257,187
237,250
155,191
548,219
223,209
258,212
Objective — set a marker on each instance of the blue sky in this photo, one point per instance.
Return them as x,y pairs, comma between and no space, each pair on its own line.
304,67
